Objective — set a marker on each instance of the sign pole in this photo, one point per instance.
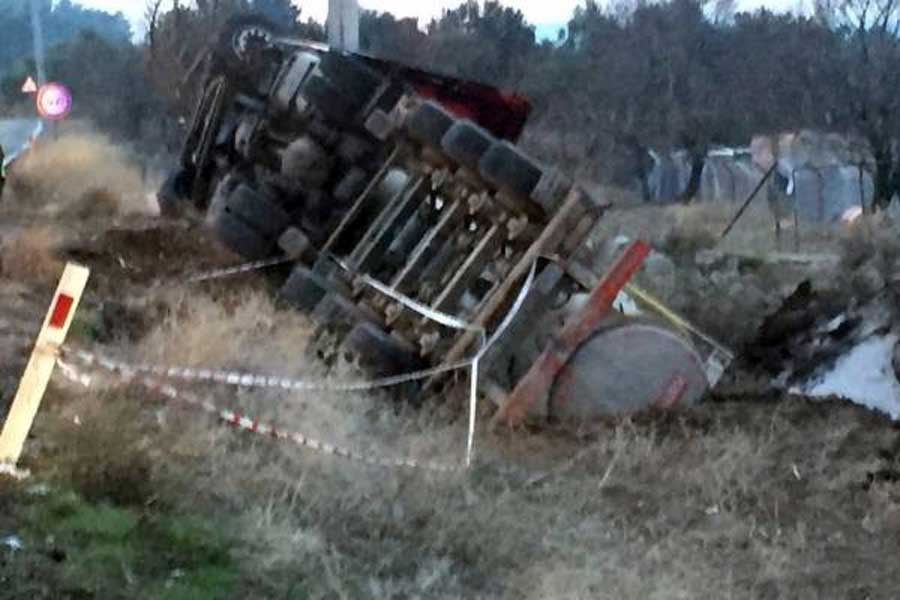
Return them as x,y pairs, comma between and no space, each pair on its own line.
40,366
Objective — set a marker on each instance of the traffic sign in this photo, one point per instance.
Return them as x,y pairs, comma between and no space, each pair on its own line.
29,87
54,101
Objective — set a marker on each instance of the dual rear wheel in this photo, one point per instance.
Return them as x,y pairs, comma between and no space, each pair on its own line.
322,292
245,220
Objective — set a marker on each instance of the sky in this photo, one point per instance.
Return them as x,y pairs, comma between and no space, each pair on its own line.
538,12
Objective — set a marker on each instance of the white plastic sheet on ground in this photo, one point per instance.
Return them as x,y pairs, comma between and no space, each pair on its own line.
865,375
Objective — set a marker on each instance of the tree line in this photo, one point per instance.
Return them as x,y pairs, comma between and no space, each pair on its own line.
62,21
685,74
619,79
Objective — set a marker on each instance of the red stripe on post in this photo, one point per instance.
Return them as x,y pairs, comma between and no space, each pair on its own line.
61,310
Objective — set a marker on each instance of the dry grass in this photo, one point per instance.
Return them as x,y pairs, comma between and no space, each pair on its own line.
614,196
30,257
88,428
729,512
246,331
731,500
870,250
79,175
693,228
724,286
249,333
682,230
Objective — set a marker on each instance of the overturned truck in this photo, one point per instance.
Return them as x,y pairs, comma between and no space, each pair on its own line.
401,197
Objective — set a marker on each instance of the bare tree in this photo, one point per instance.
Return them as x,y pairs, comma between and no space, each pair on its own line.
151,14
869,32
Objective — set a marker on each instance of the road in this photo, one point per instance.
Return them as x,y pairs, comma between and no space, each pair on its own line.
15,134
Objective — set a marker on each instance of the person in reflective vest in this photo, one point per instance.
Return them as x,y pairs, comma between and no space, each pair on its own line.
2,172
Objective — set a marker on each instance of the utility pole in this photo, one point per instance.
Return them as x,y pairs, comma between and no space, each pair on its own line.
37,37
343,25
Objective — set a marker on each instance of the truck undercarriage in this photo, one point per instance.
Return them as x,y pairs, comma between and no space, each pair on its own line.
400,192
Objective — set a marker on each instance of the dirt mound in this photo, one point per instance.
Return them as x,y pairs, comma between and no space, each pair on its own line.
144,254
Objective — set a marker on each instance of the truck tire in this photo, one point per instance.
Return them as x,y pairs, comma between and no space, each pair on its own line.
330,101
381,353
304,289
240,238
221,191
466,143
507,167
350,186
236,40
306,161
353,149
350,76
259,212
429,123
174,195
337,308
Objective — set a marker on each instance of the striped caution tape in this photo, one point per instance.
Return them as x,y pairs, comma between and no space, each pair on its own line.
251,380
215,274
238,269
73,374
201,277
11,470
431,314
268,381
454,323
248,424
245,423
211,275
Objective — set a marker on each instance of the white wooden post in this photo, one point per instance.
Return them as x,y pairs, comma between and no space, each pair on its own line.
40,366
